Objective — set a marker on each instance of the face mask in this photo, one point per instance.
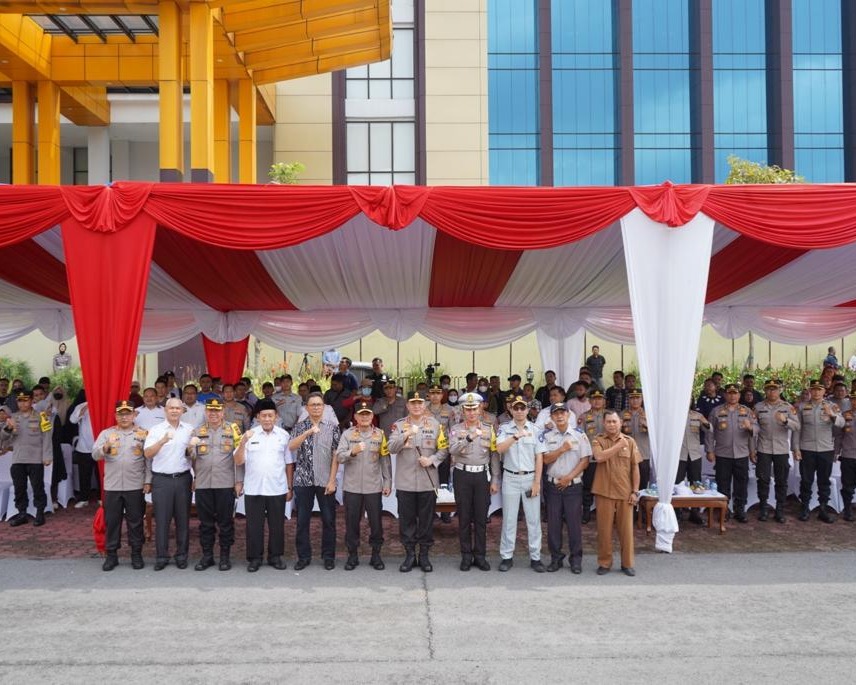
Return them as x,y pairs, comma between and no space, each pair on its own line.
365,392
57,395
453,399
482,388
446,386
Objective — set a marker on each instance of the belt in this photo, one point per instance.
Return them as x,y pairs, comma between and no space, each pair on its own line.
555,481
478,468
518,473
171,475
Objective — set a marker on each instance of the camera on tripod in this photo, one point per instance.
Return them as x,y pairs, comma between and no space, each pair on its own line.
430,370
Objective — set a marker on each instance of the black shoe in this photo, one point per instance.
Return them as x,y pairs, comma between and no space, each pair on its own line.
740,516
408,563
446,517
804,513
181,564
225,563
352,562
826,515
506,564
537,566
629,570
696,518
847,514
18,519
762,512
204,563
376,562
780,514
425,562
109,564
329,564
554,566
40,518
586,515
466,563
254,565
160,565
137,563
481,564
576,569
602,570
278,563
301,564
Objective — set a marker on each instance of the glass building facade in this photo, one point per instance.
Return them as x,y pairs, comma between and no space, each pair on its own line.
641,91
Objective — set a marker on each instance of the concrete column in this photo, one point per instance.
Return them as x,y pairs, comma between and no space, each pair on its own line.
98,147
121,150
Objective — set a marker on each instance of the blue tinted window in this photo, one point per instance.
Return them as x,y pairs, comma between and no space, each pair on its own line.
818,99
513,121
585,129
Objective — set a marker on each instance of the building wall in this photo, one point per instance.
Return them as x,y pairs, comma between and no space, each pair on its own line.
304,128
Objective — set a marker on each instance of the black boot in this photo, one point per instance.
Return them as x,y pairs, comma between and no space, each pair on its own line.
780,512
847,512
826,514
40,518
225,561
740,514
409,561
110,563
18,519
137,562
352,562
376,562
804,512
207,561
424,561
762,511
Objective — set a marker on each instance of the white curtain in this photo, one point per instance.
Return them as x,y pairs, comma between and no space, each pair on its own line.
667,276
562,355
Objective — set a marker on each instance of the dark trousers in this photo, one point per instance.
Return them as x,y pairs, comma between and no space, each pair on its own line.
416,518
444,471
778,465
644,473
848,480
691,470
85,469
35,473
356,505
261,508
215,508
472,500
565,507
737,470
812,463
129,505
171,499
304,500
588,481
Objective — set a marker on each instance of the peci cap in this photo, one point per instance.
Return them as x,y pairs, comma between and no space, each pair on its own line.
265,404
124,406
559,406
214,404
363,408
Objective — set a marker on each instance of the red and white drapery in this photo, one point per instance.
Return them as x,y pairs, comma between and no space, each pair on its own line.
306,267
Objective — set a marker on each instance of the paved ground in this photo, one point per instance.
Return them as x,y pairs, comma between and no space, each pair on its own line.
741,618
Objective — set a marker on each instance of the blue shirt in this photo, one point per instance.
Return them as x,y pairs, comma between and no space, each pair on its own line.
521,455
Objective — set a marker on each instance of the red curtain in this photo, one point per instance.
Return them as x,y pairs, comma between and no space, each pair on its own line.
26,211
742,262
31,267
226,360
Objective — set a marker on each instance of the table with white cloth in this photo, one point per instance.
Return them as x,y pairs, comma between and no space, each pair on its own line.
709,499
10,508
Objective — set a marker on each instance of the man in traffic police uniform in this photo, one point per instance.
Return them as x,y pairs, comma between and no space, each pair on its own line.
592,424
476,476
776,419
635,424
121,449
212,448
29,434
420,445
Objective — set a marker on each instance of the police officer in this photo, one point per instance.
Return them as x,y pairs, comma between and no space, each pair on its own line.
729,443
212,448
121,449
234,411
815,448
28,433
845,449
420,445
472,448
776,418
592,424
565,459
390,407
367,478
446,418
635,424
689,464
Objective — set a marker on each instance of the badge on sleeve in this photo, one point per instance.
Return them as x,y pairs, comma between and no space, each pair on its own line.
442,440
384,447
44,422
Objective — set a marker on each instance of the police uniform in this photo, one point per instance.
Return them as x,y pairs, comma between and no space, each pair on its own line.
635,424
215,478
446,418
814,441
731,444
236,412
415,485
845,447
775,422
366,475
564,504
476,467
389,412
592,424
125,470
30,437
689,463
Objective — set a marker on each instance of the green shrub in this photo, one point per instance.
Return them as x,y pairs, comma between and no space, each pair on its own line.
14,368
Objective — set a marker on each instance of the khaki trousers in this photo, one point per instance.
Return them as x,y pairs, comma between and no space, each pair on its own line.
620,513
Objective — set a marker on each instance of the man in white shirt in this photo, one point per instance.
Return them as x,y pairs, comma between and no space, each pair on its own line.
82,454
151,413
268,478
194,412
166,445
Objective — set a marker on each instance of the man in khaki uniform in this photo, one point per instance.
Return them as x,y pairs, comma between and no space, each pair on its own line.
445,417
125,467
845,449
776,419
616,484
592,424
476,466
217,483
367,478
420,445
29,434
389,408
635,424
730,443
234,411
689,463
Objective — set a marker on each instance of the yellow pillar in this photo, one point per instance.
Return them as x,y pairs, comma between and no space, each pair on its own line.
23,114
222,132
246,131
201,93
171,92
48,150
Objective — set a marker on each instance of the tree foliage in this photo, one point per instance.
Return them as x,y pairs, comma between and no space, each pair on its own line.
286,173
744,171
